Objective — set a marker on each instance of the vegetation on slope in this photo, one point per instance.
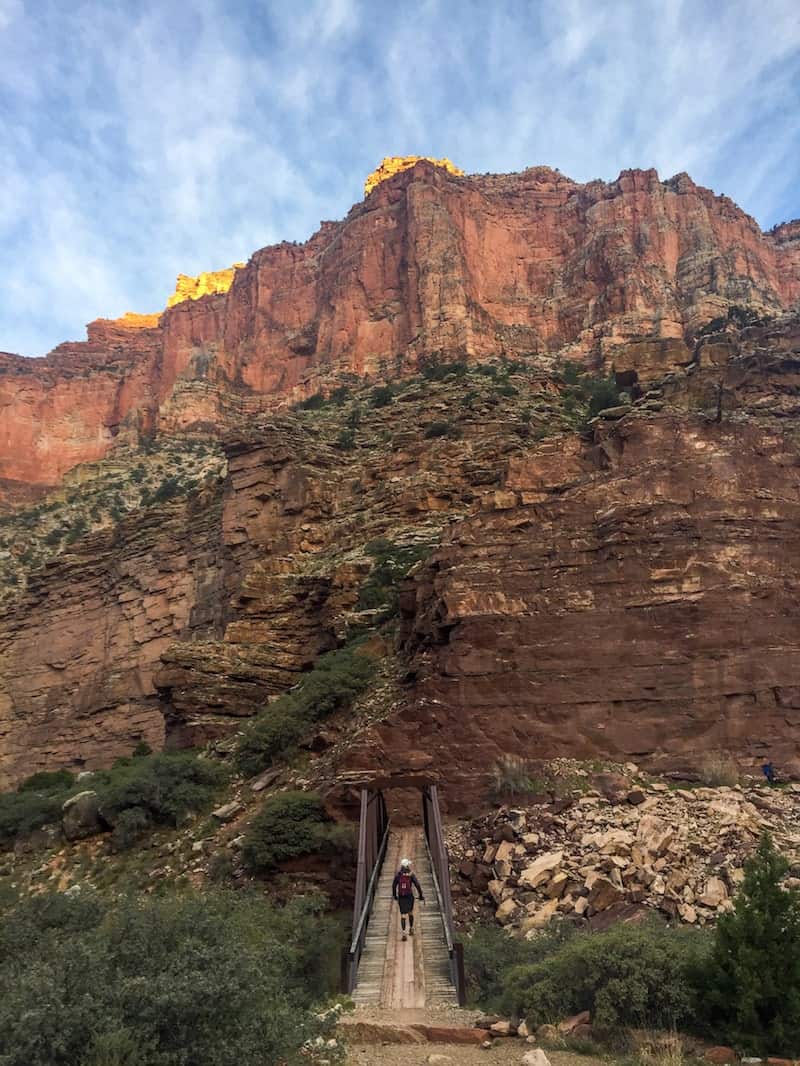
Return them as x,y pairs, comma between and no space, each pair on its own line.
96,496
335,681
135,795
217,979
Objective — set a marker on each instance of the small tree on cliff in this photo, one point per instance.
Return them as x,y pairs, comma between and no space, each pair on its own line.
753,976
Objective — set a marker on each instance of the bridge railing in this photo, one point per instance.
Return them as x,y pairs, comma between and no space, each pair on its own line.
373,835
437,850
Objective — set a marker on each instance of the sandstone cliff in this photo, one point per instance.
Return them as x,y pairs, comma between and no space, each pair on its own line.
620,586
524,265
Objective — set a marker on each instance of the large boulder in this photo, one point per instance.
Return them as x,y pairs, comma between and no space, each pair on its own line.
541,870
80,816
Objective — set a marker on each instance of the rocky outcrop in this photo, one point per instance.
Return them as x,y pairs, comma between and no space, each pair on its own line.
396,164
207,283
679,851
78,651
629,598
524,265
188,617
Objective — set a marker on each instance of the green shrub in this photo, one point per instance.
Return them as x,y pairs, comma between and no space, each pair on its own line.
314,403
641,976
507,389
752,980
273,733
48,781
217,979
346,440
381,396
340,395
169,488
21,813
434,370
490,954
288,826
335,681
438,429
156,790
131,824
391,564
587,394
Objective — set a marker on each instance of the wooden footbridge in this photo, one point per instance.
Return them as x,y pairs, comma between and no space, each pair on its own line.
383,970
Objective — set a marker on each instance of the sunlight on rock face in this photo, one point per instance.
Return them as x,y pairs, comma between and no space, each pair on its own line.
205,284
394,164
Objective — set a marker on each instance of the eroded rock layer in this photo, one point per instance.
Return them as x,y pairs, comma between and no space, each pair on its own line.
636,598
522,264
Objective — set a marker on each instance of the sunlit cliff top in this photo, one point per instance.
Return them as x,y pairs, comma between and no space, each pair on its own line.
394,164
205,284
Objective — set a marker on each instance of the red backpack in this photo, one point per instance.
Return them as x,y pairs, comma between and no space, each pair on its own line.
404,885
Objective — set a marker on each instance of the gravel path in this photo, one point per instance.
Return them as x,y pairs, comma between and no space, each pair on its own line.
504,1053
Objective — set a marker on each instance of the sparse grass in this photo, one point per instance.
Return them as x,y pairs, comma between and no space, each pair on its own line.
719,768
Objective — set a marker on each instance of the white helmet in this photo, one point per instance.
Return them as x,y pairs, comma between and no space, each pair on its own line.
406,864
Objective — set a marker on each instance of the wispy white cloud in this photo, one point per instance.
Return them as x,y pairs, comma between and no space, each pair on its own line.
143,139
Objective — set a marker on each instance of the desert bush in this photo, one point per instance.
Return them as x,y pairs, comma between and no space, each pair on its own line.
272,733
141,792
336,679
719,768
167,490
132,823
288,826
391,563
640,976
513,776
314,403
346,440
21,813
381,396
437,429
217,979
752,980
490,954
505,388
587,394
435,370
48,781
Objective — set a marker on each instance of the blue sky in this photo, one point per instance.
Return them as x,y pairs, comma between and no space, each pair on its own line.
142,139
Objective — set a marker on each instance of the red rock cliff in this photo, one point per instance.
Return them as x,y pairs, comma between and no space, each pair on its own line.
524,264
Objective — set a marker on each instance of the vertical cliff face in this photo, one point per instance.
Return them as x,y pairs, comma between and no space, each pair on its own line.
523,265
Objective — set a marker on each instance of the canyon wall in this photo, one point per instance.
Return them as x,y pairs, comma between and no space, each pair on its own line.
523,265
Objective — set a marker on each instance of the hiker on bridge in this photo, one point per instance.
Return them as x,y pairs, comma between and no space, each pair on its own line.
403,891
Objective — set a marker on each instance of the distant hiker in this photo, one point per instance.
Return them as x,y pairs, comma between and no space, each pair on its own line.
403,891
768,770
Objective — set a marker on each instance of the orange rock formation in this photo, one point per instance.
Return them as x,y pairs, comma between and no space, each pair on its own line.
396,164
207,283
524,265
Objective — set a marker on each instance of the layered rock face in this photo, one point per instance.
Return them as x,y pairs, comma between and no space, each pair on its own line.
523,264
622,587
635,598
190,616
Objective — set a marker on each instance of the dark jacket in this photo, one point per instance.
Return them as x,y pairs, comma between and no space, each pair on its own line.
414,884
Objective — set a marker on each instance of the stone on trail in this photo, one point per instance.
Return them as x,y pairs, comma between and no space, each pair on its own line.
439,1060
535,1058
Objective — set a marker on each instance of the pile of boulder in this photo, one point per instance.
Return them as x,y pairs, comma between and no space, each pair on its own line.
619,849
